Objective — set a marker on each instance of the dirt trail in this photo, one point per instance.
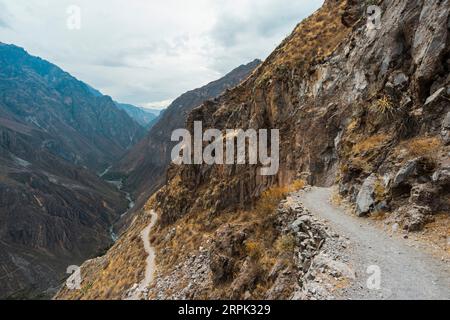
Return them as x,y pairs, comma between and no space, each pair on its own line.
137,292
406,272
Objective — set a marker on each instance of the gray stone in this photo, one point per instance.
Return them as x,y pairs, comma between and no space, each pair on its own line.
395,227
446,137
365,200
405,172
442,177
435,96
382,207
399,79
297,224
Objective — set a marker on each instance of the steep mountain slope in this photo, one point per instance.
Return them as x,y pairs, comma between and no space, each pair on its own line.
144,166
55,134
140,115
360,107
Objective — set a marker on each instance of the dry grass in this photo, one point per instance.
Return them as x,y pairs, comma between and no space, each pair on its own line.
285,244
254,250
421,147
313,39
353,125
363,153
270,198
370,144
380,191
436,236
336,198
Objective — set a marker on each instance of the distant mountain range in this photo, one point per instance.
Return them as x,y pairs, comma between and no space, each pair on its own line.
56,135
145,117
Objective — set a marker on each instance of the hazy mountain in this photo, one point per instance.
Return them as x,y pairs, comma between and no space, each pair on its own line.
56,133
141,115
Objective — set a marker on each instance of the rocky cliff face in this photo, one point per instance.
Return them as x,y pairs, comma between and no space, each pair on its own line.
55,134
145,165
364,108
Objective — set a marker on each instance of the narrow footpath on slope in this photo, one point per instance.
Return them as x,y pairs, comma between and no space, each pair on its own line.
407,272
141,289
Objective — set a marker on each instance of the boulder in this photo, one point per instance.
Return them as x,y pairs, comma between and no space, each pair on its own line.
405,173
365,200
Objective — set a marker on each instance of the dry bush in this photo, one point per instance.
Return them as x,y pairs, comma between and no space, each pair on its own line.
354,124
384,106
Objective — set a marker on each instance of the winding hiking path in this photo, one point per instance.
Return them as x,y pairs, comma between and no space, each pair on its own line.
150,261
406,272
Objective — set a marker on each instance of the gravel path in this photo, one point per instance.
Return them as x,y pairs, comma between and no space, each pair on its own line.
406,272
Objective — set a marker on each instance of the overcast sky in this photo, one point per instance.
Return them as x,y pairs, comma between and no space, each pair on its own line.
148,52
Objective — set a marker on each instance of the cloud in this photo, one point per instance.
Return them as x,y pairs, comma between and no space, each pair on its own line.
4,17
3,24
145,52
158,104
